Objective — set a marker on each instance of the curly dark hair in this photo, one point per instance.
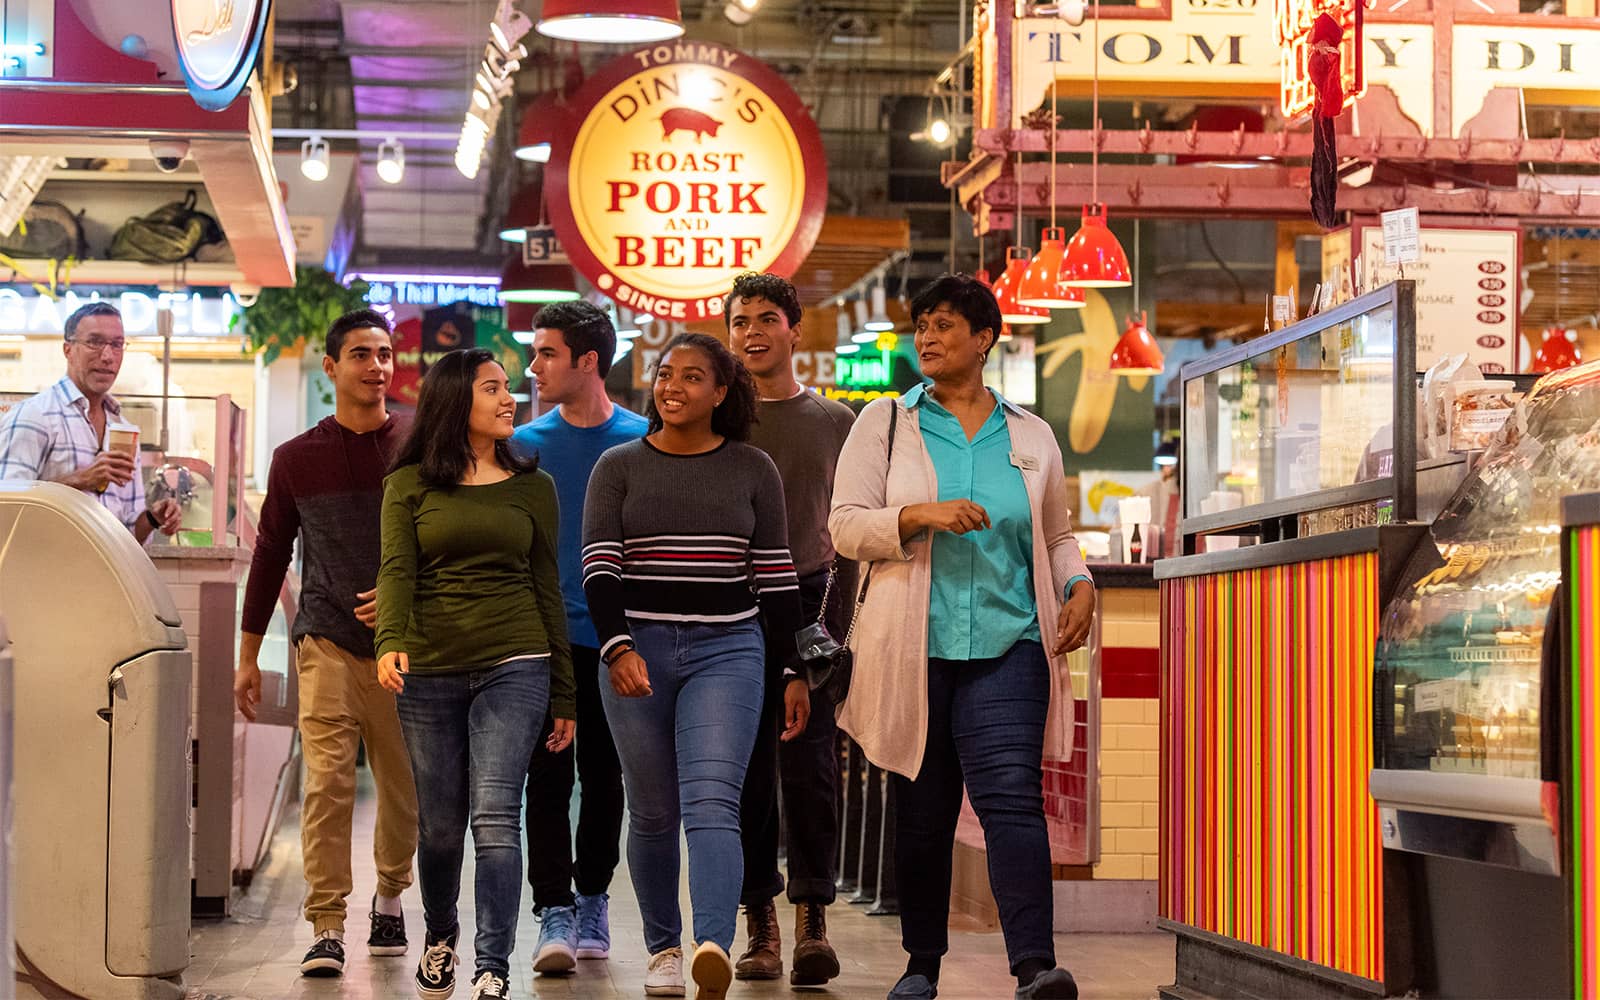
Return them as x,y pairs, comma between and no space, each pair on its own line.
968,296
438,441
755,285
734,417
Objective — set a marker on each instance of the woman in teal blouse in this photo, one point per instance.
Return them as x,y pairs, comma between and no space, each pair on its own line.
968,519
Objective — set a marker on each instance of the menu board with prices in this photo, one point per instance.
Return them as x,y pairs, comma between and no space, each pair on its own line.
1467,293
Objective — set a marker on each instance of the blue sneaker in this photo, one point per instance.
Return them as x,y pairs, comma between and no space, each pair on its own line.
594,926
914,988
558,941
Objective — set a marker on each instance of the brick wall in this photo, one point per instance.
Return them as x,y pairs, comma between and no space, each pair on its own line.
1130,739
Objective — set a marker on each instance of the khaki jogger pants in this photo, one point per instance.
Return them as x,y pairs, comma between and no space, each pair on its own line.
342,704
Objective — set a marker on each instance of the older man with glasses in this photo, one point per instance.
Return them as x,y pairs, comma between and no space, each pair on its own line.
59,435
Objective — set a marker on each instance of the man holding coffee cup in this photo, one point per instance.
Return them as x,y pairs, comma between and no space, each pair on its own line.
73,432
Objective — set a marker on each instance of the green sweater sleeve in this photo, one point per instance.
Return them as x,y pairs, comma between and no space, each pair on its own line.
397,572
547,591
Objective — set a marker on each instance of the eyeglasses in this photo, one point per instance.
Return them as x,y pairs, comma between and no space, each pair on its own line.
95,345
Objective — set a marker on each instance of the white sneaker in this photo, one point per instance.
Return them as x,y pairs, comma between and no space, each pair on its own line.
664,975
712,970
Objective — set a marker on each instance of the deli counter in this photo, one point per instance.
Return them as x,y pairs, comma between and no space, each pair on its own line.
1379,669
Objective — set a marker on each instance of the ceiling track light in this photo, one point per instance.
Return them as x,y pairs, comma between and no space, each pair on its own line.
391,161
491,85
314,159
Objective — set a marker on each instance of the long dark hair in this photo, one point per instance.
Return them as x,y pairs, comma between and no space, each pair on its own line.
737,412
438,441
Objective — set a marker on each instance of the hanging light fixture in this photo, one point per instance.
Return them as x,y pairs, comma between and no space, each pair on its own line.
314,159
1041,285
1005,291
1094,258
533,134
844,343
878,321
863,334
1559,350
740,12
614,22
391,161
1137,353
537,283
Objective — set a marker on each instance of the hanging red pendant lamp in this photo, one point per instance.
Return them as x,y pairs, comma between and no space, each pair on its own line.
1094,257
1137,353
1041,282
614,22
1559,350
1005,291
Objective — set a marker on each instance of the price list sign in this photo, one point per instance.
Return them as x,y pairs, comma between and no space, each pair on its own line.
1467,292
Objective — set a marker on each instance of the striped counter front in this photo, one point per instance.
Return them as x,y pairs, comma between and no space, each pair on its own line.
1271,867
1583,596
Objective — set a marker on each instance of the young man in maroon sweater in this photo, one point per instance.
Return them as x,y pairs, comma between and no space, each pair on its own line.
326,487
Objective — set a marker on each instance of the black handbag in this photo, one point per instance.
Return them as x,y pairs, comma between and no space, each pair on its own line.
831,674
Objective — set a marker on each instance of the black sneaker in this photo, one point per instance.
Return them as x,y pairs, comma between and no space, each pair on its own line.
324,960
388,935
436,972
488,986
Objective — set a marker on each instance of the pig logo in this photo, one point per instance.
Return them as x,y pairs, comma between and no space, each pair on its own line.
688,120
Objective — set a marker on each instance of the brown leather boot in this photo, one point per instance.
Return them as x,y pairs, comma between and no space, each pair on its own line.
764,958
814,959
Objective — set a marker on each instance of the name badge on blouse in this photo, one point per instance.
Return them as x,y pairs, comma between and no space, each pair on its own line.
1027,463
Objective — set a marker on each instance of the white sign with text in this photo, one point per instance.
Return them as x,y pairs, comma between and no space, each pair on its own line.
1467,288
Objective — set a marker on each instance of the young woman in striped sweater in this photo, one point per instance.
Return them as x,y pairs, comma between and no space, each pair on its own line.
686,551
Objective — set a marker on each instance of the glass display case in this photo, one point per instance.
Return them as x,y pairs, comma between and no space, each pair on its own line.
202,465
1304,419
1465,648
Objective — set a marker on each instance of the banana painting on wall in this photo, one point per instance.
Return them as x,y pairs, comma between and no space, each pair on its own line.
1108,419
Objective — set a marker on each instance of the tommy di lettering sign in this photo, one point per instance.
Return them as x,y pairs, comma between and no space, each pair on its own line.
693,163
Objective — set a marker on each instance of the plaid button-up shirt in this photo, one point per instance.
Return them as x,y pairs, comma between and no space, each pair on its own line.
49,435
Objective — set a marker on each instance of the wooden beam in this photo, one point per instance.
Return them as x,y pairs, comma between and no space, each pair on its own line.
1245,146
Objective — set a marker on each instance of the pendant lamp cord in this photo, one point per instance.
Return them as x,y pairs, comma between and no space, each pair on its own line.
1053,126
1094,154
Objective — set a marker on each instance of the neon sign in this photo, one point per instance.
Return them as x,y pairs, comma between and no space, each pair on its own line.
865,370
192,314
1294,21
402,291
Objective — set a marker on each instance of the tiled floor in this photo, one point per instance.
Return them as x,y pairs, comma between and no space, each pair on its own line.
255,954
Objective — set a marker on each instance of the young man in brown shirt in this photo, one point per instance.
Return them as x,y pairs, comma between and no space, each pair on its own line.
802,432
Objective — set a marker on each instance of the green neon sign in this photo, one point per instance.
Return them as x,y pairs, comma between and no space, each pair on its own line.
866,370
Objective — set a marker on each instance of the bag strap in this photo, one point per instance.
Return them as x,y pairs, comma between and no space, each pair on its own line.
894,419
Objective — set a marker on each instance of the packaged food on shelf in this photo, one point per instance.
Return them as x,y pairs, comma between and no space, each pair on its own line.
1478,411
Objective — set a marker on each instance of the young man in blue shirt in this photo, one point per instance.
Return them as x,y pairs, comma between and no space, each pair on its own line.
574,345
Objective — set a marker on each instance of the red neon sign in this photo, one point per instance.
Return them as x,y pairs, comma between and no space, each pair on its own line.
1294,20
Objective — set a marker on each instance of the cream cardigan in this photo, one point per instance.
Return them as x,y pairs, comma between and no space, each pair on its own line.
886,711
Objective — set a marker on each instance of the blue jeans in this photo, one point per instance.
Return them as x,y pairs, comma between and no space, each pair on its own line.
985,726
684,751
470,736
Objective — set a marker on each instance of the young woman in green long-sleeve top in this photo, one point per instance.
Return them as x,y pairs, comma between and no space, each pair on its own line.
472,637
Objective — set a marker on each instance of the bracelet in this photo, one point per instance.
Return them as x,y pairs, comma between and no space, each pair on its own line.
616,653
154,524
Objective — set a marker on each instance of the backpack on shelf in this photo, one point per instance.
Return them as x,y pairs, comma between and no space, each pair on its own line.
171,233
48,231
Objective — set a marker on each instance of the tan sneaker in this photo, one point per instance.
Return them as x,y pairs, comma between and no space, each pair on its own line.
712,972
763,959
815,961
663,977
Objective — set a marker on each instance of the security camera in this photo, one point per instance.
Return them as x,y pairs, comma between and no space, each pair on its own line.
169,154
245,294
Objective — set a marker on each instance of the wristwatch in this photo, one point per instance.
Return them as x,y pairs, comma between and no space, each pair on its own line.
154,524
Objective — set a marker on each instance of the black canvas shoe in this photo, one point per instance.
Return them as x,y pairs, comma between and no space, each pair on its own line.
488,986
388,935
324,960
436,972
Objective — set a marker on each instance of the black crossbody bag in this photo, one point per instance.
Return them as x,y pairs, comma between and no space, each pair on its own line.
830,672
